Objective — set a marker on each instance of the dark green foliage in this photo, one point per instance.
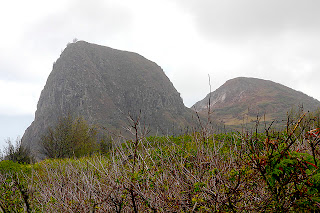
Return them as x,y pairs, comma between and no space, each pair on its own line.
289,167
17,153
105,144
71,137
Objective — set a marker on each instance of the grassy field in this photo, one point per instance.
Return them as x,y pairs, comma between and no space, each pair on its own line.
248,171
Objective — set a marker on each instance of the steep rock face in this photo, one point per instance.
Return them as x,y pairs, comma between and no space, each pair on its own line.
104,86
241,99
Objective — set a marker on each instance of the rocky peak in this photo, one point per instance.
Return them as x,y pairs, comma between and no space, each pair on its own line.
103,85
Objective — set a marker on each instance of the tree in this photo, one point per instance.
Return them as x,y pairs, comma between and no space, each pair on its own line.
17,153
70,137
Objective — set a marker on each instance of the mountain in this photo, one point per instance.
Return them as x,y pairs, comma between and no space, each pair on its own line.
104,86
240,100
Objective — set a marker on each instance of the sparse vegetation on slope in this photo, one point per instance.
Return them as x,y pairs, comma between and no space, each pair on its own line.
240,100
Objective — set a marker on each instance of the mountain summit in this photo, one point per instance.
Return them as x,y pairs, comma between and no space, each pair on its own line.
241,99
105,85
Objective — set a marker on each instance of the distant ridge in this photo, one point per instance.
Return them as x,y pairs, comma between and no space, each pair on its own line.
241,99
105,85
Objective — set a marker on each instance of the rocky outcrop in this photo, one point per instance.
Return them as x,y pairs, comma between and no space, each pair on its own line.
104,86
240,100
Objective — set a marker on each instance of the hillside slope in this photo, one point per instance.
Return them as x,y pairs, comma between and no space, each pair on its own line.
240,100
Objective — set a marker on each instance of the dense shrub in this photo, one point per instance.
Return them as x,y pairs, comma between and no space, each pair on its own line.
274,171
17,153
70,137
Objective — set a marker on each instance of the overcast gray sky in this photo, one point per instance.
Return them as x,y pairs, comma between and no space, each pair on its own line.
276,40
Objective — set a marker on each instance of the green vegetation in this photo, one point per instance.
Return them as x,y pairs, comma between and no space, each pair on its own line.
72,137
251,171
17,153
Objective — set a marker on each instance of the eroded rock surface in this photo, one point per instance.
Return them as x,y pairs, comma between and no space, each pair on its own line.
104,85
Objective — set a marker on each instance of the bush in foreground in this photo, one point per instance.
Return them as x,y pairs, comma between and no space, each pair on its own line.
17,153
70,137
